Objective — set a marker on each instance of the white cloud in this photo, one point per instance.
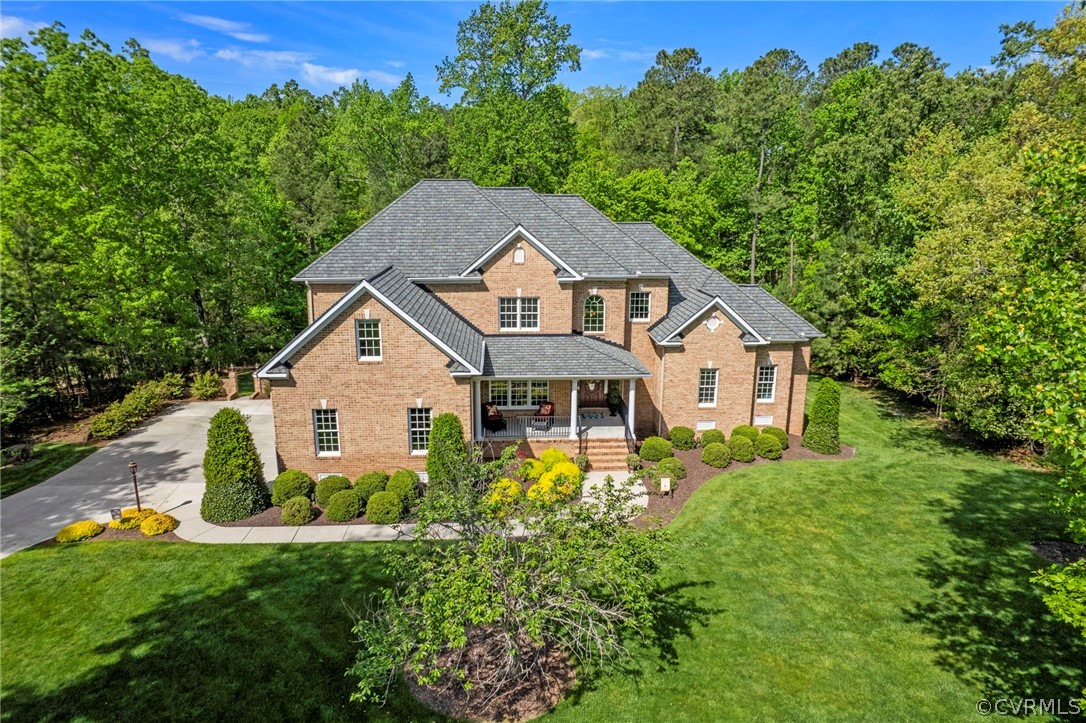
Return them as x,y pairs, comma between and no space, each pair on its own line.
380,77
395,63
324,75
232,28
182,50
263,58
13,27
632,55
594,54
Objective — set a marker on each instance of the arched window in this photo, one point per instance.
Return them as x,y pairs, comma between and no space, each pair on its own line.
593,314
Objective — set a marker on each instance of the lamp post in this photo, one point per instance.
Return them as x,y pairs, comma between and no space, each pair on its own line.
135,484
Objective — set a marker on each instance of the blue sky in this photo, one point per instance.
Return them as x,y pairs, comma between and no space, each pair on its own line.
235,48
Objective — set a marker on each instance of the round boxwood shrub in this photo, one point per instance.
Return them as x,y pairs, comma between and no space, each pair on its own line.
746,430
79,531
780,434
823,434
551,457
159,524
384,508
716,454
712,436
683,438
329,486
131,518
767,446
742,448
369,483
655,449
344,506
233,473
405,483
582,462
672,467
297,511
291,483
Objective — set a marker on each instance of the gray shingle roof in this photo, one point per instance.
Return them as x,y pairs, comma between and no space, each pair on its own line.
558,355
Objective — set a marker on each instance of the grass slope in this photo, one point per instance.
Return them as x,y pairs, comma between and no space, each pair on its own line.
892,586
50,458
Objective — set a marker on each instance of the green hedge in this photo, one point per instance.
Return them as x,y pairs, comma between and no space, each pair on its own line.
742,448
767,446
672,467
822,434
206,385
780,434
329,486
716,454
683,438
384,508
297,511
655,449
289,484
712,436
369,483
344,506
405,484
234,485
447,451
145,400
745,430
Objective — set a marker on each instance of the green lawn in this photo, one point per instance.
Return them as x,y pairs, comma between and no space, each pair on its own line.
893,586
49,459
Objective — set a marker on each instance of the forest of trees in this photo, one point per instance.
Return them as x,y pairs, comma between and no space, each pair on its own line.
147,226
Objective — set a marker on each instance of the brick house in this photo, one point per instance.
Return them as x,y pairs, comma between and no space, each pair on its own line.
456,298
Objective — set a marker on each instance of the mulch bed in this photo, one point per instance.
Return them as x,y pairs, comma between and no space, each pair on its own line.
1059,551
666,508
551,680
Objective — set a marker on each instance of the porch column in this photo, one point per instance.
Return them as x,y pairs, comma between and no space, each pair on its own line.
477,406
630,411
574,420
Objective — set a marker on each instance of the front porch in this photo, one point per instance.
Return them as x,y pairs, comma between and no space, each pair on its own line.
591,424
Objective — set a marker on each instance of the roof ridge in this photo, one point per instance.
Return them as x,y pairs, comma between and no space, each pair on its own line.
560,215
786,322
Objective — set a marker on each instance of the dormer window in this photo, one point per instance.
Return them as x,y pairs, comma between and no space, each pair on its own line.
594,309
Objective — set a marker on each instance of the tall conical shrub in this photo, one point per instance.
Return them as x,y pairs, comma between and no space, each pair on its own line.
822,434
447,453
233,474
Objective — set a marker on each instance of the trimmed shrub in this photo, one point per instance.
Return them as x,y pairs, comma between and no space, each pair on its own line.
145,399
823,434
716,454
746,430
289,484
655,449
633,462
233,474
582,462
768,446
531,469
683,438
344,506
447,452
742,448
780,434
159,525
329,486
206,385
672,467
79,531
712,436
369,483
405,483
131,518
297,511
551,457
111,422
503,495
384,508
174,385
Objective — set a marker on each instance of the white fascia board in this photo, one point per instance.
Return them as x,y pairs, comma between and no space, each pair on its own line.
324,319
536,243
729,312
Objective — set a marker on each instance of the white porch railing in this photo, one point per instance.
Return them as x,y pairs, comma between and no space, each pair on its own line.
529,427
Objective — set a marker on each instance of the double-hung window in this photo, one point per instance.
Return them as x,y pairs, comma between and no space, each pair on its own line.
707,387
368,336
519,393
518,313
639,305
418,429
766,389
326,432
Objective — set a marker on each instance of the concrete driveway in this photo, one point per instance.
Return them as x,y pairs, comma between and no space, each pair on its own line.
169,450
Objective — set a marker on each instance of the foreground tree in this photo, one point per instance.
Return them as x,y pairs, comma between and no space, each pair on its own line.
527,584
233,472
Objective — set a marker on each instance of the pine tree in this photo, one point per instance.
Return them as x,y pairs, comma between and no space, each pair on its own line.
822,434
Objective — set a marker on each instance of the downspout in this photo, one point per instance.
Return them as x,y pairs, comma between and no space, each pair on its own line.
660,396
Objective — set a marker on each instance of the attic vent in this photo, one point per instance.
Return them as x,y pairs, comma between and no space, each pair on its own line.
712,323
518,254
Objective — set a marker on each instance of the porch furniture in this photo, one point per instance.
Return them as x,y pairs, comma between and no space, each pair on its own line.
544,417
493,420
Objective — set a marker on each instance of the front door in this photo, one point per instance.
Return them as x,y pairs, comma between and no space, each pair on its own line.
592,393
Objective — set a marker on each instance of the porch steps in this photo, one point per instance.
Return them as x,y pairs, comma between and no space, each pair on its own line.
606,454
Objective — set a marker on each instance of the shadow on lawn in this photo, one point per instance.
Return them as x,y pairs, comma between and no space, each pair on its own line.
992,627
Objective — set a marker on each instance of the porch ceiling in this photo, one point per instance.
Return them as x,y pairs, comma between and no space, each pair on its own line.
558,356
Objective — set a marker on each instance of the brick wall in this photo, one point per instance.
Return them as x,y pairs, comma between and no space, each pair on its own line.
638,341
321,296
478,303
372,398
613,294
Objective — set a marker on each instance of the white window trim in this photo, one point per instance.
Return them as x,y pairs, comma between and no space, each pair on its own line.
358,341
509,392
716,389
603,315
520,313
648,308
773,396
417,452
316,441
